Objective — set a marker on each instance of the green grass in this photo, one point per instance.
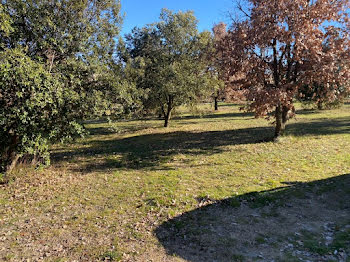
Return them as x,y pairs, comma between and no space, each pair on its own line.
105,195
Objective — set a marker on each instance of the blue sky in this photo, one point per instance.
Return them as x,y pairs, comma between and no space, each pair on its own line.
142,12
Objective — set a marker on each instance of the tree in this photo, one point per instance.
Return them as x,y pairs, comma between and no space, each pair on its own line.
73,38
30,103
283,45
322,97
57,69
217,57
171,54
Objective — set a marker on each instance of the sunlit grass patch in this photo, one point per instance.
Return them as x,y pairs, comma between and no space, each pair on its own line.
104,195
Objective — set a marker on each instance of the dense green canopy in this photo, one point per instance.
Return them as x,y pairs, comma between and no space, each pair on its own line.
172,54
57,68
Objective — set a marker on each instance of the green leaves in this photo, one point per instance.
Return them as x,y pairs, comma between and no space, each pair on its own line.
5,22
28,105
171,56
57,69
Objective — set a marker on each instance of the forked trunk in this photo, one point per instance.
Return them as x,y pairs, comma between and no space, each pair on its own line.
285,112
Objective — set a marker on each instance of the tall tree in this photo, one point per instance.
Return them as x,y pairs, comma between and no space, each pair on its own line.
172,55
217,62
283,45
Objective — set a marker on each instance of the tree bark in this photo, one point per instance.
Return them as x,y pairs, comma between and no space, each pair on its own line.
319,105
167,114
280,126
10,156
167,117
216,104
12,162
281,115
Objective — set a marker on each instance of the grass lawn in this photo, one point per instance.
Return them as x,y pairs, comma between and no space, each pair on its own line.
211,187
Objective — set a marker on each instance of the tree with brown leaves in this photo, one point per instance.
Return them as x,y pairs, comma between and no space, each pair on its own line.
282,46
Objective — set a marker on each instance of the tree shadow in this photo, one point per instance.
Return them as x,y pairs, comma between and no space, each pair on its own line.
323,126
299,222
215,116
100,131
306,112
110,130
153,150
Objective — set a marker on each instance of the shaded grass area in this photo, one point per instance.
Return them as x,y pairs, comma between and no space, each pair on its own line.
303,221
107,196
152,150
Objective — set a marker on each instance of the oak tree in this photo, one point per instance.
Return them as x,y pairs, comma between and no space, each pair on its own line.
171,54
281,46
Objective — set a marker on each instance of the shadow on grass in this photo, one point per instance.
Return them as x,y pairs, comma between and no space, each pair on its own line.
324,126
109,130
306,220
306,112
218,115
154,150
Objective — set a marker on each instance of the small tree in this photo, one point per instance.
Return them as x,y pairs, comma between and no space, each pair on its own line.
30,105
172,55
322,97
282,46
57,69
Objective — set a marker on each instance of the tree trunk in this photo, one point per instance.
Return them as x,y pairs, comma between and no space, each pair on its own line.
216,104
319,105
167,114
280,124
167,118
12,162
281,115
285,118
10,156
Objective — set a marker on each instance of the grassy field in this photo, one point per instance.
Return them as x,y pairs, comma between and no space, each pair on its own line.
212,187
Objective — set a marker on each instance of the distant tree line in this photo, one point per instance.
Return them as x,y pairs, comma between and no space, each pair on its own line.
62,62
